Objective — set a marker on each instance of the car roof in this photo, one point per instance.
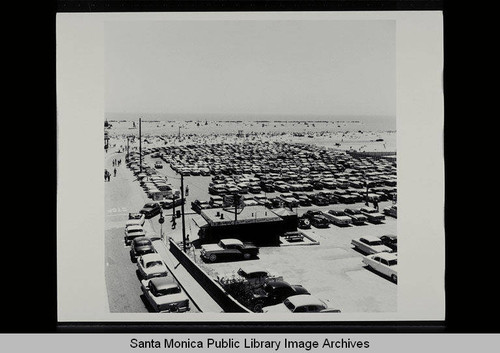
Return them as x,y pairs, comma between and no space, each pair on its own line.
370,238
163,282
304,299
151,257
386,255
231,241
135,226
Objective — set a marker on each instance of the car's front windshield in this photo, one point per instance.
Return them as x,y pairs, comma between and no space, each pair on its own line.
393,262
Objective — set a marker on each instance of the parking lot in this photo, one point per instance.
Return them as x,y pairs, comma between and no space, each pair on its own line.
332,270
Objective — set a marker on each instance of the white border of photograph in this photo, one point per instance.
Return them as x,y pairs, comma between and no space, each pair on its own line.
81,288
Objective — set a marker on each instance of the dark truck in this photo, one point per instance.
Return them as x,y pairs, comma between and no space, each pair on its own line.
228,249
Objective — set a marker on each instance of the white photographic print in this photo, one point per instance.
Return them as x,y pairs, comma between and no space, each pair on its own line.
257,167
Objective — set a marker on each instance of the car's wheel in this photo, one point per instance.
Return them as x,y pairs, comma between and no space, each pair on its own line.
247,256
213,258
257,308
394,278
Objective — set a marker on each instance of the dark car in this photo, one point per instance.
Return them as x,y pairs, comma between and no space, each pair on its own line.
312,213
267,187
272,293
319,200
151,209
141,246
304,201
320,222
228,249
317,185
391,241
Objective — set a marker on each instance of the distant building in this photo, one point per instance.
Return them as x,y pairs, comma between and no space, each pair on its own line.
256,224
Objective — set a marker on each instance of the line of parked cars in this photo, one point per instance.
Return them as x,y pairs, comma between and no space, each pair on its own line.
160,290
345,218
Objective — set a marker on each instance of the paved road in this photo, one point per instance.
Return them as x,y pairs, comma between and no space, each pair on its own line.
123,195
122,283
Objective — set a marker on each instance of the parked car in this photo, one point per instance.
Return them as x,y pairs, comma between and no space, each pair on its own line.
228,249
372,214
158,165
168,204
339,218
217,189
150,210
281,187
141,246
164,295
391,241
319,200
267,187
391,211
198,205
254,189
384,263
133,231
320,222
370,245
151,265
301,303
356,216
216,201
304,201
273,293
136,218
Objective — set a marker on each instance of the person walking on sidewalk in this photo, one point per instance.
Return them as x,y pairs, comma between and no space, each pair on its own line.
114,171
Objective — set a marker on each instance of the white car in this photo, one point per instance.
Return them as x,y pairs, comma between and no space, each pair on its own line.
301,303
372,214
133,231
136,218
151,265
370,245
165,295
384,263
339,218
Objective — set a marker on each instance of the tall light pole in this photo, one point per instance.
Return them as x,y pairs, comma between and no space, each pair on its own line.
140,147
182,214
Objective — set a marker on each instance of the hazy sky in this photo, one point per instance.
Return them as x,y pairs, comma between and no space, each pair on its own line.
251,67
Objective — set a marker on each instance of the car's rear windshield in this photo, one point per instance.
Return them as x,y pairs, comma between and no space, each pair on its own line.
289,305
173,290
153,263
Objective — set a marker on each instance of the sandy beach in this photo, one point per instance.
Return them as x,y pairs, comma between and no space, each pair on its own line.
345,136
